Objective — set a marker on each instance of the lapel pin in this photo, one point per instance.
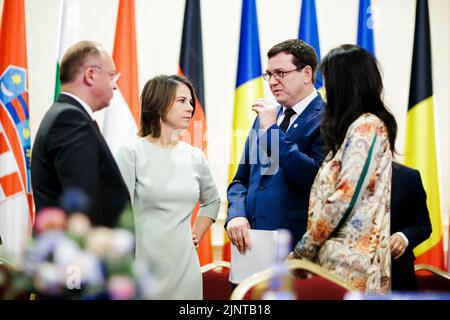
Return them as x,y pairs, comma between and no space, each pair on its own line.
295,125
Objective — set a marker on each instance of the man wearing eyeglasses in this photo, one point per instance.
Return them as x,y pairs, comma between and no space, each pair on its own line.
287,137
69,151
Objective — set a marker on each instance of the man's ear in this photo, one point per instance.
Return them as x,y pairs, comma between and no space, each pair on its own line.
89,76
308,74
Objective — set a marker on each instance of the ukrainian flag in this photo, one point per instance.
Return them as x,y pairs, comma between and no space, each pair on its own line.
420,148
309,33
249,87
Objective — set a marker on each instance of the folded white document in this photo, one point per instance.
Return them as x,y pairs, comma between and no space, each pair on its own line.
259,257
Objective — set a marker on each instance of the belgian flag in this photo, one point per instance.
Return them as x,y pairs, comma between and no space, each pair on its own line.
191,66
420,147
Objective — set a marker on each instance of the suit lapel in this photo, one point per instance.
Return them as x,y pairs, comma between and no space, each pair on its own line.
68,99
297,128
101,140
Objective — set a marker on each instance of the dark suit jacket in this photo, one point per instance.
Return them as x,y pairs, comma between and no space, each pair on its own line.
409,214
69,151
273,192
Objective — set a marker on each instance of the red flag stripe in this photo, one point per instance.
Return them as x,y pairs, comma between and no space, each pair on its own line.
11,134
12,35
433,256
24,96
19,109
11,184
125,56
3,146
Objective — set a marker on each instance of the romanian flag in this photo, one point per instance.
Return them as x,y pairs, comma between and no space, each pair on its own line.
420,147
69,33
191,66
309,33
16,209
365,26
249,87
121,120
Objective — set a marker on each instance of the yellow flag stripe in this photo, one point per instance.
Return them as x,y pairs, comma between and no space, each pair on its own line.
420,153
243,118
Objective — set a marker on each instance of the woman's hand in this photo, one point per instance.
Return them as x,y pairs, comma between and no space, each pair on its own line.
195,241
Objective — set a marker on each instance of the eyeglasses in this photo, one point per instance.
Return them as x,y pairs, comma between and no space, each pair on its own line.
277,75
114,75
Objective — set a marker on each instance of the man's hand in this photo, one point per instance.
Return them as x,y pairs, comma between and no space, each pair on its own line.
238,232
398,246
267,113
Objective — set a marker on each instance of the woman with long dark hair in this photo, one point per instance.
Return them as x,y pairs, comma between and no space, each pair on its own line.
349,210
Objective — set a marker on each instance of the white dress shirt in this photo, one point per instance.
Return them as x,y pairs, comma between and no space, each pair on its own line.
83,104
298,108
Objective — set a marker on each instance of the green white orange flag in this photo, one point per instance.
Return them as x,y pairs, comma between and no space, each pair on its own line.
68,34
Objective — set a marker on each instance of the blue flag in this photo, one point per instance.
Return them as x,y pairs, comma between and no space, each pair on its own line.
309,33
365,26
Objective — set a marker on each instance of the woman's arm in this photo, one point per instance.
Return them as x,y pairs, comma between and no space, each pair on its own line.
209,200
201,225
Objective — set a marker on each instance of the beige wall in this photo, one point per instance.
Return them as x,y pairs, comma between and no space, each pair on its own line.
159,26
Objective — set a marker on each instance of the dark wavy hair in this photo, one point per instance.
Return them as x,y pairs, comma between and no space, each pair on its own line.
353,87
157,97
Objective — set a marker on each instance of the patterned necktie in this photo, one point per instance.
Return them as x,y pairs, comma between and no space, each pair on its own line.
287,118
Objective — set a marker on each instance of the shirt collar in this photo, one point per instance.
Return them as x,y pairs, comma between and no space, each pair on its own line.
302,104
83,104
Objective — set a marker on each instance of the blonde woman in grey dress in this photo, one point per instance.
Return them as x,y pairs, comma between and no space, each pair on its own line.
166,178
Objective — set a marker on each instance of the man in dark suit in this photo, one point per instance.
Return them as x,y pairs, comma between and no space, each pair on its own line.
283,152
410,224
69,151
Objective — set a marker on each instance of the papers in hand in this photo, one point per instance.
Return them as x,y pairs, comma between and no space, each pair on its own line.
259,257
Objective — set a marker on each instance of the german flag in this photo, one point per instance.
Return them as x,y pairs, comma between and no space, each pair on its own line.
420,147
191,66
